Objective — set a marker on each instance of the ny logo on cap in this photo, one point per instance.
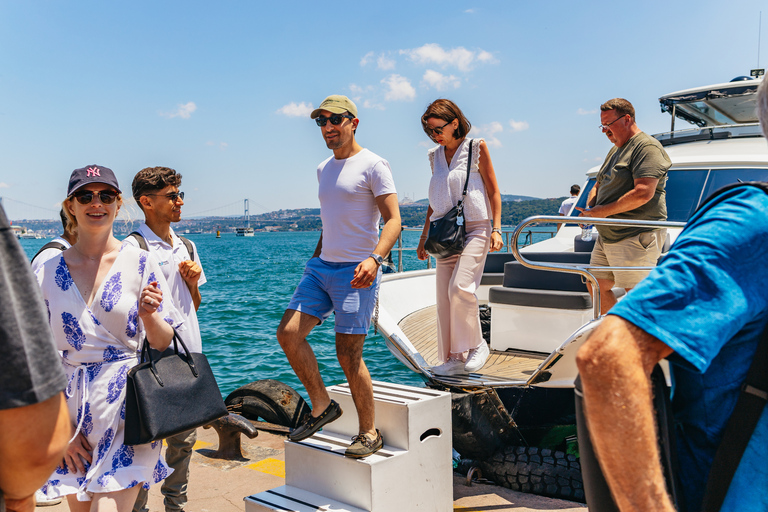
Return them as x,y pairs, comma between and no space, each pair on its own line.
92,171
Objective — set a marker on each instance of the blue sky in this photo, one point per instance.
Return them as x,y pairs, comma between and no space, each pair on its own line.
221,91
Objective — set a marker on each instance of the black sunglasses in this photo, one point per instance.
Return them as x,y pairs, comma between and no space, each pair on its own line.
86,196
173,196
334,119
439,130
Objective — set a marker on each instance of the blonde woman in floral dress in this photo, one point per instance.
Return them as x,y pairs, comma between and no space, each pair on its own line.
102,301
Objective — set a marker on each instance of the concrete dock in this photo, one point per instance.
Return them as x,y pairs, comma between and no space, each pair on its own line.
220,486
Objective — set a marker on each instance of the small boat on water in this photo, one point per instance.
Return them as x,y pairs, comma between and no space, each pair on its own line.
515,418
30,234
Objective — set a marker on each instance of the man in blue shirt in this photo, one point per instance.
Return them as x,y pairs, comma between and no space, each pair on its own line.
704,308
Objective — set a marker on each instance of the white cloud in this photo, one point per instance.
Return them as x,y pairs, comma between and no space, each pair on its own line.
458,57
488,132
400,88
426,144
4,185
294,109
518,126
356,89
221,145
374,106
583,112
385,63
470,11
439,81
183,111
486,57
366,59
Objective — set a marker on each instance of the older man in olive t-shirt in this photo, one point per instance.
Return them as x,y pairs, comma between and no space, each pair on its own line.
630,185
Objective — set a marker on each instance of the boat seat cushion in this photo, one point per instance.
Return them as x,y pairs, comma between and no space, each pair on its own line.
518,276
494,279
553,299
494,262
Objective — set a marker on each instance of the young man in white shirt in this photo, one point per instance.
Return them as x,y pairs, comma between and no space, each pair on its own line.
156,191
356,189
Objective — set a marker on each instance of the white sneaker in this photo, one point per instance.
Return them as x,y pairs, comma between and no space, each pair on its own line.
44,501
452,367
477,358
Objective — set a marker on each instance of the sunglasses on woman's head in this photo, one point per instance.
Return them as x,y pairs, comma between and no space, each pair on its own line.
86,196
334,119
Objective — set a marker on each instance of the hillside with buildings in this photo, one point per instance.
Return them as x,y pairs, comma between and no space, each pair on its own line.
514,209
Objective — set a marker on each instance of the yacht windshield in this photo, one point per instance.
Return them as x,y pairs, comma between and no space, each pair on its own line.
725,104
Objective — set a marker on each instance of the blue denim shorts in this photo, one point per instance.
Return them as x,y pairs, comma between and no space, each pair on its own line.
325,288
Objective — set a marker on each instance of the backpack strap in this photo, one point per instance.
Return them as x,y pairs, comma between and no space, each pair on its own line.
190,247
50,245
186,241
140,239
738,431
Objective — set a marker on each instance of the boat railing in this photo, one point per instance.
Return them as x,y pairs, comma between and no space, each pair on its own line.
583,270
506,233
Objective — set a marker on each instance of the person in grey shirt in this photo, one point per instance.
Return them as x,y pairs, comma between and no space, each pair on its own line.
34,419
630,185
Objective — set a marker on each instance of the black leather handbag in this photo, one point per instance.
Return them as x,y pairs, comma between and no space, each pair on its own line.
447,234
173,394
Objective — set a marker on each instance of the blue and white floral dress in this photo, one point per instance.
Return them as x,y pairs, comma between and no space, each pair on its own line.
98,345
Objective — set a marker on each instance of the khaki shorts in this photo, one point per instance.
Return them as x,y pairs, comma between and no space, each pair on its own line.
642,250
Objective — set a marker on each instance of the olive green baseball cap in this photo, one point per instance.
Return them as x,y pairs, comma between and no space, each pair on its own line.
337,104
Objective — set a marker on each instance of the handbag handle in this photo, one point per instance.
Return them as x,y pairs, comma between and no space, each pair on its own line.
176,341
466,181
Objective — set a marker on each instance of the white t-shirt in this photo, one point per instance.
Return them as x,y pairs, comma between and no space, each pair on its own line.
347,191
49,253
169,258
565,207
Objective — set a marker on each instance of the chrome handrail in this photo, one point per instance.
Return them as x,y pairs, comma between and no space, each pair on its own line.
583,270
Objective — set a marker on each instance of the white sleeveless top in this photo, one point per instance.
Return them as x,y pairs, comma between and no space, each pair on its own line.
447,183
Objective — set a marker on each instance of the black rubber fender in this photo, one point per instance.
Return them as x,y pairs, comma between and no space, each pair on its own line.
537,471
271,400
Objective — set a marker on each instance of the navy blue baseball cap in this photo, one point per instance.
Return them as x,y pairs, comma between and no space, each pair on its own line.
92,174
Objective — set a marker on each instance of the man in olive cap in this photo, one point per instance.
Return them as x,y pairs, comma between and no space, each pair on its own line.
356,189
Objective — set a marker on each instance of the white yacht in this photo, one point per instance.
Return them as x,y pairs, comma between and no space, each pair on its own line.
522,399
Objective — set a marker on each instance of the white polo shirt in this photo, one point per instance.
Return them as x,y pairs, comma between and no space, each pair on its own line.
169,258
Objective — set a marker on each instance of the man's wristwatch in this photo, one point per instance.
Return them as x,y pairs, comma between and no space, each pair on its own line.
378,259
496,230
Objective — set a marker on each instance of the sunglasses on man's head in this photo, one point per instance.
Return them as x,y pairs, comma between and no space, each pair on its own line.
86,196
334,119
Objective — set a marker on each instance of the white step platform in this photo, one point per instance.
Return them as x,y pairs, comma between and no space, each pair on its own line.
412,472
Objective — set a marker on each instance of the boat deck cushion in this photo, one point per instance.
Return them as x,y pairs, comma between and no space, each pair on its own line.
518,276
494,262
554,299
495,279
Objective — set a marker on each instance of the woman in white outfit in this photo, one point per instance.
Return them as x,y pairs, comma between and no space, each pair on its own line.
103,299
460,342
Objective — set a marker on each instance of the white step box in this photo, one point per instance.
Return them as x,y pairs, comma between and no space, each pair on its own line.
412,472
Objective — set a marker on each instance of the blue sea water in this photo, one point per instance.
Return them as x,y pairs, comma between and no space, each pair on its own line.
250,282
